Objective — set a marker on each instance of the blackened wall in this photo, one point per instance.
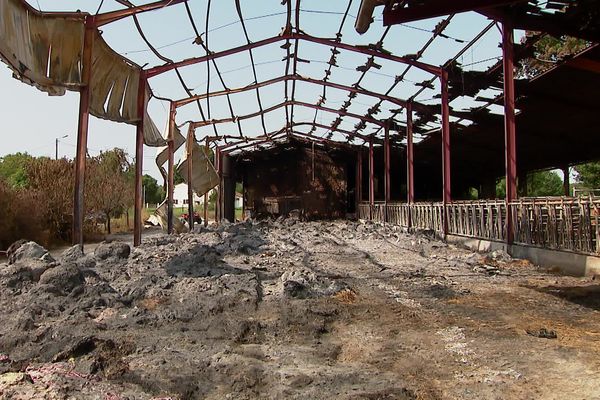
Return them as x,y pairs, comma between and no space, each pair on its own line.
294,177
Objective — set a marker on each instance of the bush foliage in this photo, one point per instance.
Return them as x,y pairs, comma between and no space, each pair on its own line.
36,196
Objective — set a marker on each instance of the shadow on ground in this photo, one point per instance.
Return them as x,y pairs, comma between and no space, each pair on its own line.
586,296
198,262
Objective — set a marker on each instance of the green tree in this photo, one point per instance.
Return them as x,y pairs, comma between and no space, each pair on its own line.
549,50
588,175
539,183
13,169
544,183
109,184
177,177
154,193
50,182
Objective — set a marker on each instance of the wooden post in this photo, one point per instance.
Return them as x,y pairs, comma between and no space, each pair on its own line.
509,125
171,167
190,151
82,133
446,176
139,159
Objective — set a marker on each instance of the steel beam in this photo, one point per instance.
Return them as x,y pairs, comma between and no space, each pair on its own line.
509,125
446,175
318,125
139,159
82,135
373,121
112,16
254,142
190,191
152,72
286,78
171,167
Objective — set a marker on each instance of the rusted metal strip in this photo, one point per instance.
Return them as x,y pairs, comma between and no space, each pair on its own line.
107,18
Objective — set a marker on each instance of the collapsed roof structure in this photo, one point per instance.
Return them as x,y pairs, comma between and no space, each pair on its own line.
307,78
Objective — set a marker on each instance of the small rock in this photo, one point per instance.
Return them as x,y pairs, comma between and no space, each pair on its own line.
112,250
295,290
29,251
13,248
72,254
62,278
500,255
16,275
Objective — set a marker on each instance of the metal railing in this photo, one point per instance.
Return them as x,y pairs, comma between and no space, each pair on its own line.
479,219
567,223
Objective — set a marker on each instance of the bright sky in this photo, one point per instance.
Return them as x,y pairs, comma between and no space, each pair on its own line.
31,121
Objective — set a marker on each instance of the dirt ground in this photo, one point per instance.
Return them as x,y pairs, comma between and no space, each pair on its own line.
294,310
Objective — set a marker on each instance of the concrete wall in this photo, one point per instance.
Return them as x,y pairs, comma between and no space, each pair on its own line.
566,262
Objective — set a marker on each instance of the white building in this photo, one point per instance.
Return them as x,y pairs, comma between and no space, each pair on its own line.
239,200
180,196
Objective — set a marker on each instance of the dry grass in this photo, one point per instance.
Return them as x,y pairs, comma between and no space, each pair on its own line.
152,303
346,296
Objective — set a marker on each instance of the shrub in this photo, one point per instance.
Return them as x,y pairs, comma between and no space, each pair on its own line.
20,216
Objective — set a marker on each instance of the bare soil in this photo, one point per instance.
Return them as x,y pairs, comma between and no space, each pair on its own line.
295,310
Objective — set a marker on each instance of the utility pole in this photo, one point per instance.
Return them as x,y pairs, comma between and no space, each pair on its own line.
56,146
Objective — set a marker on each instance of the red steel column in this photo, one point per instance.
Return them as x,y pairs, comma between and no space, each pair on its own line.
218,166
410,178
371,179
171,167
190,152
207,148
447,194
386,160
359,168
386,169
139,159
82,133
509,125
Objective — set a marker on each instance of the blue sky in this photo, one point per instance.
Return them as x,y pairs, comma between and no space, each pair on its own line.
31,120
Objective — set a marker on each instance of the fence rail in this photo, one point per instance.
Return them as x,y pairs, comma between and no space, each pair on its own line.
566,223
